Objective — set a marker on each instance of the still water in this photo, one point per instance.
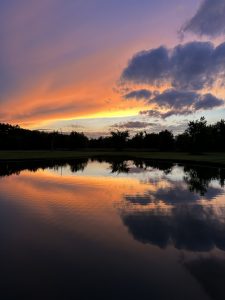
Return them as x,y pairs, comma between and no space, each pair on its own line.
101,229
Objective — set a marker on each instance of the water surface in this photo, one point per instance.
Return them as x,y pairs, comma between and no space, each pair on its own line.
116,229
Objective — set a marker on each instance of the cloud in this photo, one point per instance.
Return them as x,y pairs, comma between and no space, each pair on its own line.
189,70
151,113
209,19
181,103
132,125
75,126
208,102
148,66
139,94
175,99
191,66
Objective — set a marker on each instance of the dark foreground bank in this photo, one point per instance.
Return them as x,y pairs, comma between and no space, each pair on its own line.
205,158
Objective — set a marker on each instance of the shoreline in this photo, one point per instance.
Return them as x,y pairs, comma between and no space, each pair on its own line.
211,159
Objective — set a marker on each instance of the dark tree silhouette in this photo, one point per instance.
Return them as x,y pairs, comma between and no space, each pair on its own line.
78,140
197,138
197,132
166,140
119,139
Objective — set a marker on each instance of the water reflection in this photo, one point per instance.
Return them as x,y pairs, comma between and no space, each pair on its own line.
197,178
111,229
193,228
10,168
203,269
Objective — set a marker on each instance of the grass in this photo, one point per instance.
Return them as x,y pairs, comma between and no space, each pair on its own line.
206,158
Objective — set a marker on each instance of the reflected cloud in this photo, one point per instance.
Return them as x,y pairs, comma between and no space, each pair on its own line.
131,214
193,228
161,204
176,193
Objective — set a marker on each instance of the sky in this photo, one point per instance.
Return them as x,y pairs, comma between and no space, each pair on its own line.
96,65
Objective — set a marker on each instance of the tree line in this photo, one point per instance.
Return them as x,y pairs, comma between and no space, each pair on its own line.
198,137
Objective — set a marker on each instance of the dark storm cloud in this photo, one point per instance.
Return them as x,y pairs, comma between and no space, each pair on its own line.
209,19
191,66
148,66
139,94
181,103
175,99
132,125
208,102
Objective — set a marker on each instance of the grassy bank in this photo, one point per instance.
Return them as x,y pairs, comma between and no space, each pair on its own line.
207,158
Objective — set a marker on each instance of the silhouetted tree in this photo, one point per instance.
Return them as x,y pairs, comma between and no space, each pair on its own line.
138,140
151,141
119,139
78,140
198,135
218,133
197,138
166,140
183,142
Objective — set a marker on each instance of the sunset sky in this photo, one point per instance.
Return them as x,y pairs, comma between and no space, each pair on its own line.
98,65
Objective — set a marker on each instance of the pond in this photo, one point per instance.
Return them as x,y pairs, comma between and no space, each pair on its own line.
111,229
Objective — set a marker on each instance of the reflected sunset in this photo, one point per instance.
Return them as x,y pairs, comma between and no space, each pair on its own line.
143,208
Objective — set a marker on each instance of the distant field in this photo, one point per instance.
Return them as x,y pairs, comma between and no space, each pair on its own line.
207,158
